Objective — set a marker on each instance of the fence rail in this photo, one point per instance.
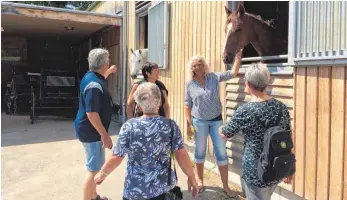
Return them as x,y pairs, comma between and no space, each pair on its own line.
263,58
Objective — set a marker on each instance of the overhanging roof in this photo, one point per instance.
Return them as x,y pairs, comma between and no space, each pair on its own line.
31,20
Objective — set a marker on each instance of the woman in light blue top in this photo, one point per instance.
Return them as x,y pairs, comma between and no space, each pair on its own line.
204,113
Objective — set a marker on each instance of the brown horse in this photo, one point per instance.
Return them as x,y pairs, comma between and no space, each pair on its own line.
242,28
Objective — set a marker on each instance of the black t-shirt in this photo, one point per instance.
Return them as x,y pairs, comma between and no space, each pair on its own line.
161,87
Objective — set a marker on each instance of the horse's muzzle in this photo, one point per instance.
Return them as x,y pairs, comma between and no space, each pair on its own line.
133,76
228,58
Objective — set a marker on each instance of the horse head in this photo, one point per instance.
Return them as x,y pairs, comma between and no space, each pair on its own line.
138,59
236,33
242,28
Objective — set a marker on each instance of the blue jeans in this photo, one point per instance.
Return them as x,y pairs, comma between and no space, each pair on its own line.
95,155
256,193
202,129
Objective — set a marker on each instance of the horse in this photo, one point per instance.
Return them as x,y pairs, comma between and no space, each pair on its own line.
138,59
242,28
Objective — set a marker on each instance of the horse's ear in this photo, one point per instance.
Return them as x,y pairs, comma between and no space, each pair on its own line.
132,51
140,51
241,10
227,11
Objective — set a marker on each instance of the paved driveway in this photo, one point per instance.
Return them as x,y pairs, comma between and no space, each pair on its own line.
45,161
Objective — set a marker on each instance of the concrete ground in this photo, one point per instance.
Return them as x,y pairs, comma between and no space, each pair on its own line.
45,161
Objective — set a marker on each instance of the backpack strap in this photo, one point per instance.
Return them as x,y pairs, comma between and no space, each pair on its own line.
171,154
279,117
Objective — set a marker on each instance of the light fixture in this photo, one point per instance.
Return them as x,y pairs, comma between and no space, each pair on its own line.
2,29
69,28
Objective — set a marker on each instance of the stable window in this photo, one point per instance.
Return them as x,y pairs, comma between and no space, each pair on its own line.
158,20
317,33
141,35
276,15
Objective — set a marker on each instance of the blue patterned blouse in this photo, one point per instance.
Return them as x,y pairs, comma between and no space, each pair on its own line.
147,142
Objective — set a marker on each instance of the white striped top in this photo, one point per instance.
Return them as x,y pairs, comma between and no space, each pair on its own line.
205,103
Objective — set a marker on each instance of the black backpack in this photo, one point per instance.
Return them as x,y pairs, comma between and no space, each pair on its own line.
276,160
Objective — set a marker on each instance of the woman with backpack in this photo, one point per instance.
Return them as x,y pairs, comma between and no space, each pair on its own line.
262,116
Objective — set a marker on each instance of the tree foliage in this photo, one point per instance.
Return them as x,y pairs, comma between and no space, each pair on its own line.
79,5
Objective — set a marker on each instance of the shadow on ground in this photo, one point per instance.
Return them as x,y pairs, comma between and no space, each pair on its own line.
214,193
17,129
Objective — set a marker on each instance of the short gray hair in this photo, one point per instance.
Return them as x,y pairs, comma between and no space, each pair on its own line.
97,58
258,76
148,96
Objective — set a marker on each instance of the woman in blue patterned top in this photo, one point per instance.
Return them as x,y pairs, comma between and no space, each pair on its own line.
266,109
147,142
204,113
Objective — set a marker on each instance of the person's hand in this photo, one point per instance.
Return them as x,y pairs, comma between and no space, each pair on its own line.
112,69
189,123
99,178
239,54
221,134
289,179
106,142
193,187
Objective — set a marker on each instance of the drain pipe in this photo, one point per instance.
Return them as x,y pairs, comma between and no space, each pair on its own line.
124,62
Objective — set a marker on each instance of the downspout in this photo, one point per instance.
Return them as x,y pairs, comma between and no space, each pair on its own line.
124,62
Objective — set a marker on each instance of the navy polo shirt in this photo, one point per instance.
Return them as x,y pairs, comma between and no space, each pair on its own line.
94,97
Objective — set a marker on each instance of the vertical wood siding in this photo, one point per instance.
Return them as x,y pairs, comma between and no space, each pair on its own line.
320,129
195,28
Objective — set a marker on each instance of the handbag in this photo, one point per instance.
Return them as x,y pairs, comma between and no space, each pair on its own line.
175,193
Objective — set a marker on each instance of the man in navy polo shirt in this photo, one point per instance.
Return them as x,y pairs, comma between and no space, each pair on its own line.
94,117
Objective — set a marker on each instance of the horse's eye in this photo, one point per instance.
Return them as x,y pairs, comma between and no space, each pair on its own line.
139,60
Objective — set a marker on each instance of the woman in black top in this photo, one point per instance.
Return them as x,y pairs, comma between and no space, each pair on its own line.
150,72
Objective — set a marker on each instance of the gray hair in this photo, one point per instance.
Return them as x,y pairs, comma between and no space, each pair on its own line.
97,58
258,76
148,97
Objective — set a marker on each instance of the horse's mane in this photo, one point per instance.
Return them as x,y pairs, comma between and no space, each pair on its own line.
269,22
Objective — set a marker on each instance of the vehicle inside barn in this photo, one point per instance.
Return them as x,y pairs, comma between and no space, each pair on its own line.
44,56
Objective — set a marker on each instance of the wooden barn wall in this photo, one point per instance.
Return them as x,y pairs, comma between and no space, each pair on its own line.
198,28
111,41
109,7
320,129
193,30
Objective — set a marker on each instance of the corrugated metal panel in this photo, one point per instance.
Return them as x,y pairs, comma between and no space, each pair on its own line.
157,34
319,30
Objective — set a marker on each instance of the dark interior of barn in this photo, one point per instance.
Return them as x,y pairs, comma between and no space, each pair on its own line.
51,54
275,11
44,59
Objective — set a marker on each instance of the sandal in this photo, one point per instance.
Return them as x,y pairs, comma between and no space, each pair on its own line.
201,189
230,194
101,198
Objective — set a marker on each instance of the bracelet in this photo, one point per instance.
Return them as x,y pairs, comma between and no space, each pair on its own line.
104,173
